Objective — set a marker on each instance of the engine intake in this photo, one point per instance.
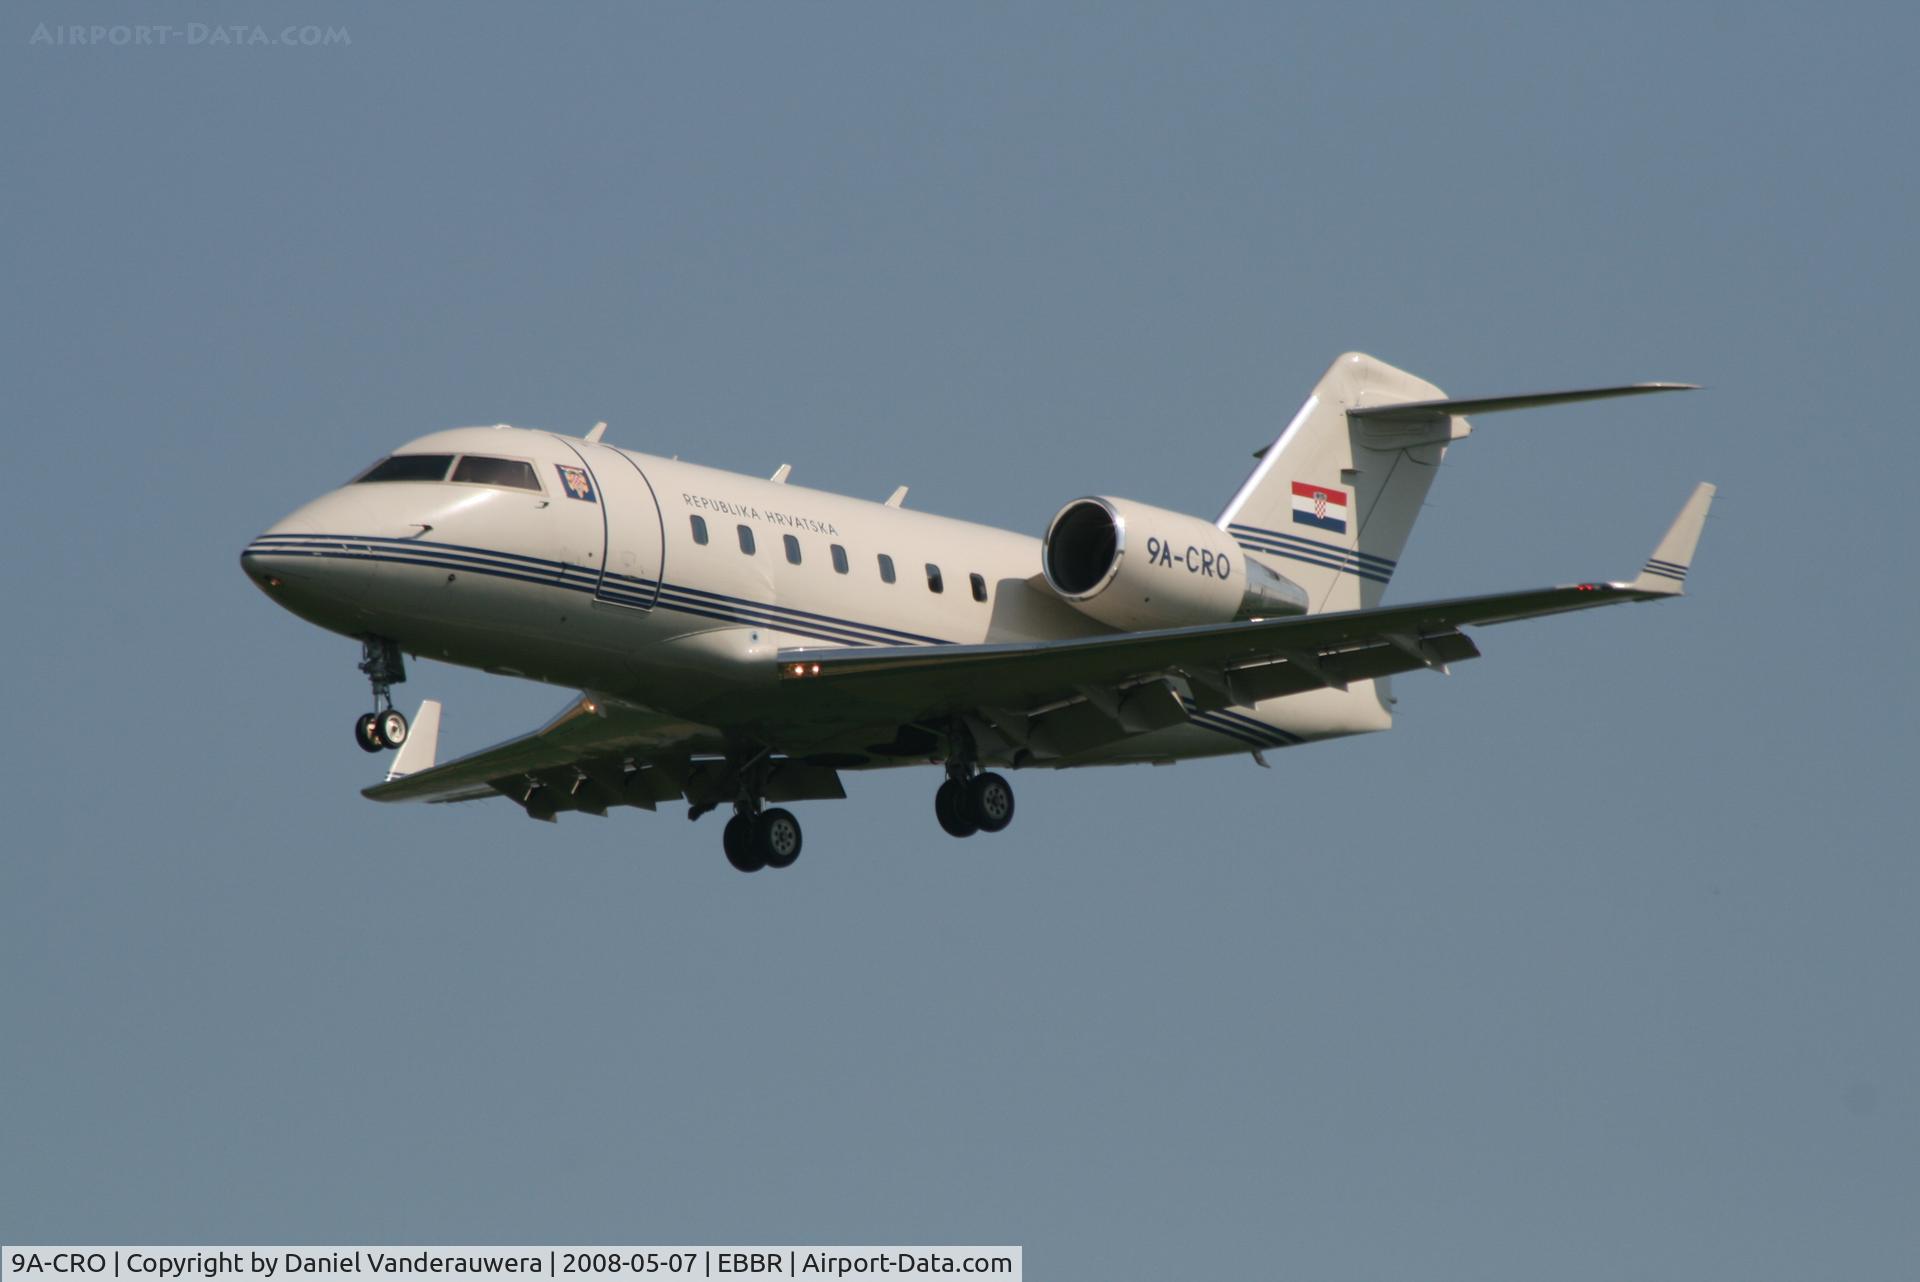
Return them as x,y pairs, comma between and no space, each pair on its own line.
1136,567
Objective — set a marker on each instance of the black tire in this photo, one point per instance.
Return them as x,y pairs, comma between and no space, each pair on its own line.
390,728
366,734
776,838
737,840
990,801
951,808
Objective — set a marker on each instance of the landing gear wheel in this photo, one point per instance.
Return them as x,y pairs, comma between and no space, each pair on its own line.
990,801
390,727
738,841
776,838
952,808
367,734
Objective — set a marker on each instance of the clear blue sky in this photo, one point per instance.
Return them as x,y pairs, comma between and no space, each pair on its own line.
1600,966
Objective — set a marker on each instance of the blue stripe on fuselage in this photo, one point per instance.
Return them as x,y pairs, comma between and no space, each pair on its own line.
522,568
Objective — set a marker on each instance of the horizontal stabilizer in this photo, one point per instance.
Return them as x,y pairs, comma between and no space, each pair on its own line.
1420,411
1666,569
423,741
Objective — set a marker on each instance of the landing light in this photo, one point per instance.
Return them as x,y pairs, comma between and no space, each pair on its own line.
802,669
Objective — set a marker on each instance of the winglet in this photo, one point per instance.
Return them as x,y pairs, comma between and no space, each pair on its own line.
423,741
1666,570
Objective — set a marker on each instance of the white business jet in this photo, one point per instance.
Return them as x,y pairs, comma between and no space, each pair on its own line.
740,641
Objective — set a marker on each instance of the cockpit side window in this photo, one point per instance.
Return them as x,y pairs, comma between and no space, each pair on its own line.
479,469
408,467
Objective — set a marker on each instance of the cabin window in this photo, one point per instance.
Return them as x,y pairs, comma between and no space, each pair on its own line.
979,587
699,524
746,539
408,467
793,548
886,568
478,469
934,583
839,559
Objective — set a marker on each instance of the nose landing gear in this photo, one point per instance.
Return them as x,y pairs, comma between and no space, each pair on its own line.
386,725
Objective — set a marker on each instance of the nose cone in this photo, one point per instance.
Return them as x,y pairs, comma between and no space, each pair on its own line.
319,561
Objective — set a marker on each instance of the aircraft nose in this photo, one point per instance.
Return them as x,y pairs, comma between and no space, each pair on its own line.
308,568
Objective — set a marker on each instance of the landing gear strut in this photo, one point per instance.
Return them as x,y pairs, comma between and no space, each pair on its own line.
385,726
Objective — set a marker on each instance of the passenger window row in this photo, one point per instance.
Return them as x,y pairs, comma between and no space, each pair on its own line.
791,544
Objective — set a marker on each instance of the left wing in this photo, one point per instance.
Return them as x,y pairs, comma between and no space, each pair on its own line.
1224,663
597,752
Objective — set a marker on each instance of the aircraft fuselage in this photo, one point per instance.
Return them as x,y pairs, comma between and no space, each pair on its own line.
675,586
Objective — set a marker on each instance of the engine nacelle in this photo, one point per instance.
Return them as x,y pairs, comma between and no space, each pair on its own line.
1137,567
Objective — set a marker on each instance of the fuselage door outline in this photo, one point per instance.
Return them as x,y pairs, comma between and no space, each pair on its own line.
630,570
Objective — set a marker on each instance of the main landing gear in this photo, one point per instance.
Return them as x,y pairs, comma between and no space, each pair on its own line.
756,839
968,803
385,726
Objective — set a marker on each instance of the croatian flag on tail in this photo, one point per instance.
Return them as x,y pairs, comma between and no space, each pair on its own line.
1324,506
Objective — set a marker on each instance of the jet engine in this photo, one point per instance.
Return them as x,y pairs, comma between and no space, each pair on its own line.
1136,567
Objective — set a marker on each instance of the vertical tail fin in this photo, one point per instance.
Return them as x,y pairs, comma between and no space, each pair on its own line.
1333,500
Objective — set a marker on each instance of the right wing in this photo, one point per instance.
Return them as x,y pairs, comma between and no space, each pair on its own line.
1224,663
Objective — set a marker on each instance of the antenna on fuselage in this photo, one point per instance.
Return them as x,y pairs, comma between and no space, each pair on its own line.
898,497
599,430
782,473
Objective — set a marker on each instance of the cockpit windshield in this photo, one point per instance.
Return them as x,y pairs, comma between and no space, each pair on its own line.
482,470
472,469
408,467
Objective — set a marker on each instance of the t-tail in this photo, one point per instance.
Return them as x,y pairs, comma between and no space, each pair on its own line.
1333,500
